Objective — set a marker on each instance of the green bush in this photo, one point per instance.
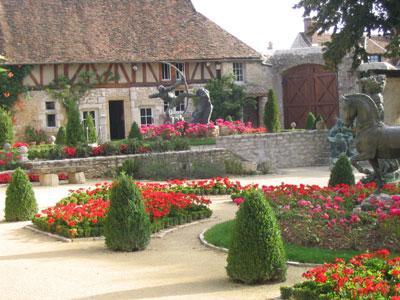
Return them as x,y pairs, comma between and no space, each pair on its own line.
110,148
91,130
256,253
135,133
130,167
6,128
180,144
61,138
127,226
35,135
310,122
272,119
342,172
20,200
75,133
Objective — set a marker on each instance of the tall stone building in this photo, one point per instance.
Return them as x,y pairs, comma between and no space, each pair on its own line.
130,40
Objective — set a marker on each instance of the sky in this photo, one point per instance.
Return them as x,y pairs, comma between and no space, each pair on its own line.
256,22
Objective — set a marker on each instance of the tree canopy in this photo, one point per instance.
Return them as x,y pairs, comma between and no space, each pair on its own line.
349,20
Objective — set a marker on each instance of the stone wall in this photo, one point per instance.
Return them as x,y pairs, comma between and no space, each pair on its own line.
99,167
391,101
281,150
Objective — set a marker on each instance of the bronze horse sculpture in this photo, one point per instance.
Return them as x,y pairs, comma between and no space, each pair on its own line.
374,140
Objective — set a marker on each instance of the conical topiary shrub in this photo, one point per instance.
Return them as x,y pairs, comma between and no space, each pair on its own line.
342,172
6,128
61,138
127,226
75,134
91,130
310,122
272,119
20,199
135,133
256,253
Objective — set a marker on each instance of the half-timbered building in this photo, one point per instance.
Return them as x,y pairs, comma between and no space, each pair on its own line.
130,39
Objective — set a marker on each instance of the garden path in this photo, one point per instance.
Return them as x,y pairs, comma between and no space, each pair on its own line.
177,266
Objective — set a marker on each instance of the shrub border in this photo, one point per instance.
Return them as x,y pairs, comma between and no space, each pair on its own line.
158,235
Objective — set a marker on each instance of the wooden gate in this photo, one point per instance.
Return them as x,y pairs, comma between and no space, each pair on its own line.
310,88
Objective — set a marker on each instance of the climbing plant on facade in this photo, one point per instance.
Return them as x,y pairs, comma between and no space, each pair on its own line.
11,84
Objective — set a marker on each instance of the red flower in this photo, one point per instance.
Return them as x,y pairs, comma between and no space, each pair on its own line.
70,151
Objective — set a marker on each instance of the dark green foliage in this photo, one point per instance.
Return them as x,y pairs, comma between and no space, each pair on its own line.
110,148
11,84
342,172
228,98
61,138
91,130
20,200
350,21
6,128
130,167
180,144
35,135
256,253
75,133
135,133
310,123
83,150
272,119
127,226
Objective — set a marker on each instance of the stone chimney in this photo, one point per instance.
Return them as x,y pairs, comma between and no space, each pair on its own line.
307,24
270,45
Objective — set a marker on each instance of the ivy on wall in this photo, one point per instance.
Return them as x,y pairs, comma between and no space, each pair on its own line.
11,84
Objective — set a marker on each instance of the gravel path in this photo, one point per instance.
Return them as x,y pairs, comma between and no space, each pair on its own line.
175,267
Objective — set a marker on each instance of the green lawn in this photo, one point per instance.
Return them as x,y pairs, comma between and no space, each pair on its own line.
220,235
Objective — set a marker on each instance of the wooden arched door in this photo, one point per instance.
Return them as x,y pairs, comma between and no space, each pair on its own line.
310,88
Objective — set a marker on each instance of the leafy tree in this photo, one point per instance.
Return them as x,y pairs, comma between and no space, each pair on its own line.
91,130
75,133
61,138
310,122
135,133
20,199
227,98
6,128
127,226
272,119
342,172
349,21
256,253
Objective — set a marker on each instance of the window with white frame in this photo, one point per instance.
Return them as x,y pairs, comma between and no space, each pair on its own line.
146,116
181,68
374,58
85,115
165,72
50,114
181,106
238,72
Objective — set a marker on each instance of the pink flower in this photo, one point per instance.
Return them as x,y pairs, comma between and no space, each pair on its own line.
239,200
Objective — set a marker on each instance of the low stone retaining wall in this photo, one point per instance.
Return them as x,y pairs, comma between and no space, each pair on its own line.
280,150
98,167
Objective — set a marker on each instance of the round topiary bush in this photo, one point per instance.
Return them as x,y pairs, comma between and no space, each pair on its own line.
61,138
6,128
135,133
127,226
342,172
20,199
256,253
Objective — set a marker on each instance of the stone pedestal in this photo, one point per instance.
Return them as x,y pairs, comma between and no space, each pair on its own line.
49,180
76,178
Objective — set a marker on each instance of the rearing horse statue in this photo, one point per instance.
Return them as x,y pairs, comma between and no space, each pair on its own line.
374,140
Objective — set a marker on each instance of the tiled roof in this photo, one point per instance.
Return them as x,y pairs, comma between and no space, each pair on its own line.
66,31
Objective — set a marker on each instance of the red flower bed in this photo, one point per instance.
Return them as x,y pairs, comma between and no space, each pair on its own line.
366,276
6,177
83,212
